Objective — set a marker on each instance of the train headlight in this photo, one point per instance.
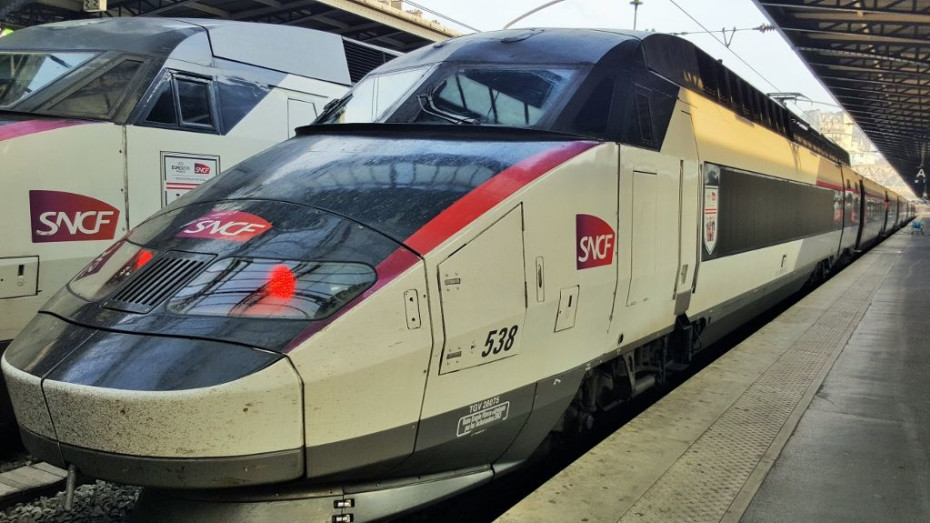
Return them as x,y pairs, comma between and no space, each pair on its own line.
262,288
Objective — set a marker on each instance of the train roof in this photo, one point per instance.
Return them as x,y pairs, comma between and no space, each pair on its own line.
548,46
669,57
292,50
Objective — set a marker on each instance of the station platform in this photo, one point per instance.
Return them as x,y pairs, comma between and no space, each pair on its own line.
822,415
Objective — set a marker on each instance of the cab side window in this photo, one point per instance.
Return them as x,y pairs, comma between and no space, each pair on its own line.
163,111
185,103
194,101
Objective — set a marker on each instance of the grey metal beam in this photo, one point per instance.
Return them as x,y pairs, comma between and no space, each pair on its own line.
359,27
846,6
872,70
385,14
877,55
169,7
904,94
828,79
209,9
841,36
863,17
262,11
70,5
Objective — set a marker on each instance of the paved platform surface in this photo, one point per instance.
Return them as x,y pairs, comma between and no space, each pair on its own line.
703,451
862,449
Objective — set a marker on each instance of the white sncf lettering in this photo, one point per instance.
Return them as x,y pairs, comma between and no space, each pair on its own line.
86,222
596,247
225,229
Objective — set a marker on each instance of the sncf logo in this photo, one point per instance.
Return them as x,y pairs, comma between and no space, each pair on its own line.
234,226
67,217
596,240
201,168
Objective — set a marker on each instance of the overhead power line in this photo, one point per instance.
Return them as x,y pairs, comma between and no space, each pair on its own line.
442,16
795,98
732,32
723,43
532,11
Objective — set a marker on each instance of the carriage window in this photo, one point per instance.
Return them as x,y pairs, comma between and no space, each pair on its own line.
163,112
194,97
100,97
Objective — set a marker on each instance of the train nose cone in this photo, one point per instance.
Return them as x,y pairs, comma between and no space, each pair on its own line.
153,410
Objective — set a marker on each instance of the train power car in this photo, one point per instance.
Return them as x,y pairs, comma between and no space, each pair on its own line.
485,241
103,122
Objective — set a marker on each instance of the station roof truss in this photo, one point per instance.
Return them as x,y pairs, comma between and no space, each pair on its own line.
874,56
368,21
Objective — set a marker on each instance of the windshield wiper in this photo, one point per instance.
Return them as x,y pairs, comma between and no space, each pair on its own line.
332,107
59,61
428,106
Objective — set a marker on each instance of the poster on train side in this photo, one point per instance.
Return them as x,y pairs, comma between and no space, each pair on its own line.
711,202
182,173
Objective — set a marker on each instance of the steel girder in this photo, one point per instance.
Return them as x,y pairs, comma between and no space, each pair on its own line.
874,56
383,27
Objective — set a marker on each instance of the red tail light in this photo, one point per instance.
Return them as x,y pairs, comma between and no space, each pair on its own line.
281,282
107,271
257,288
143,257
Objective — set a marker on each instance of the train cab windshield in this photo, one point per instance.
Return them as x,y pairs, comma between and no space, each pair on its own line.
473,94
22,74
72,84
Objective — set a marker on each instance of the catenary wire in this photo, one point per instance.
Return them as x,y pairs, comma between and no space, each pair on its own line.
738,57
440,15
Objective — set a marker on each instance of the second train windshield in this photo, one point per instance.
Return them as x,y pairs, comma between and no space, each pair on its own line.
23,74
472,94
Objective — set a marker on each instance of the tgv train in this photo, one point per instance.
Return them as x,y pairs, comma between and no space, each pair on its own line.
102,122
484,242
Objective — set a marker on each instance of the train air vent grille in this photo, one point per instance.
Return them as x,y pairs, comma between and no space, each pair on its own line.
362,58
156,281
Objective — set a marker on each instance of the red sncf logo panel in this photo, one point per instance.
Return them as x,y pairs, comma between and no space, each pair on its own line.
236,226
66,217
595,240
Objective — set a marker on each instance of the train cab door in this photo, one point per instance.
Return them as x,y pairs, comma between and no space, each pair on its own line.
483,293
473,408
659,195
861,205
888,214
689,213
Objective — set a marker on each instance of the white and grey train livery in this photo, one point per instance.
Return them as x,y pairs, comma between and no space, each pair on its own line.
485,241
102,122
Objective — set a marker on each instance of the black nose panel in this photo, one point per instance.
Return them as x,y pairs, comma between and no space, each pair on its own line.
44,343
61,351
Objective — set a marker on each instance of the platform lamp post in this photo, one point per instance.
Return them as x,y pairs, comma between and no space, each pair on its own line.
635,4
